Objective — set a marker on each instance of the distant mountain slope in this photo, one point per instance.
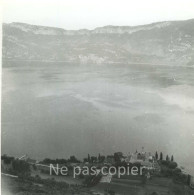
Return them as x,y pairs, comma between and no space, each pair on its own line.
159,43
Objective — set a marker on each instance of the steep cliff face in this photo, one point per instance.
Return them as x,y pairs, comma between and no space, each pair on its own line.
158,43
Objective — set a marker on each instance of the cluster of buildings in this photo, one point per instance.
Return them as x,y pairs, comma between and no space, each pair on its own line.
142,158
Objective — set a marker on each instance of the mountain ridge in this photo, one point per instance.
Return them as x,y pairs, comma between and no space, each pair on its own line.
127,26
170,42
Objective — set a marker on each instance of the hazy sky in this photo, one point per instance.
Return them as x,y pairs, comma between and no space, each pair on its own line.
76,14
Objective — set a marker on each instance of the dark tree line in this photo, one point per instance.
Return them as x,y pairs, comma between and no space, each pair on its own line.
93,159
7,159
72,159
157,157
19,167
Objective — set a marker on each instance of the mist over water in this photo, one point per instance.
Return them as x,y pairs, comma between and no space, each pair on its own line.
56,110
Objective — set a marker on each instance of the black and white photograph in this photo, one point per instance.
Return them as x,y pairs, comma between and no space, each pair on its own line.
97,97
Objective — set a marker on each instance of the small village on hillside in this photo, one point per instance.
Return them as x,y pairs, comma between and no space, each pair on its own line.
161,175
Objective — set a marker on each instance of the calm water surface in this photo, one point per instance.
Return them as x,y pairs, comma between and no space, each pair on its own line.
56,110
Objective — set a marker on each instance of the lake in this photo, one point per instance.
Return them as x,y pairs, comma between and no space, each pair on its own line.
58,109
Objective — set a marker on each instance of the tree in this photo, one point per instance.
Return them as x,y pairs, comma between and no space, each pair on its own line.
34,167
93,159
176,171
156,155
73,159
102,159
172,158
117,157
161,156
7,159
89,159
167,158
21,167
173,165
99,157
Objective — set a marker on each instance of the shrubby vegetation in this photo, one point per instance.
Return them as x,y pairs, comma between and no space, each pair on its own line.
36,185
169,168
92,180
17,167
21,167
7,159
72,159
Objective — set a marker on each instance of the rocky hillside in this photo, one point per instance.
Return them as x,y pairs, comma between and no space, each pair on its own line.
157,43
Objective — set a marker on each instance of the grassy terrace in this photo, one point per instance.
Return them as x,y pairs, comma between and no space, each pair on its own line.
33,180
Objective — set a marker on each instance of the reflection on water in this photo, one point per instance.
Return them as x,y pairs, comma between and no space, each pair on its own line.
56,110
